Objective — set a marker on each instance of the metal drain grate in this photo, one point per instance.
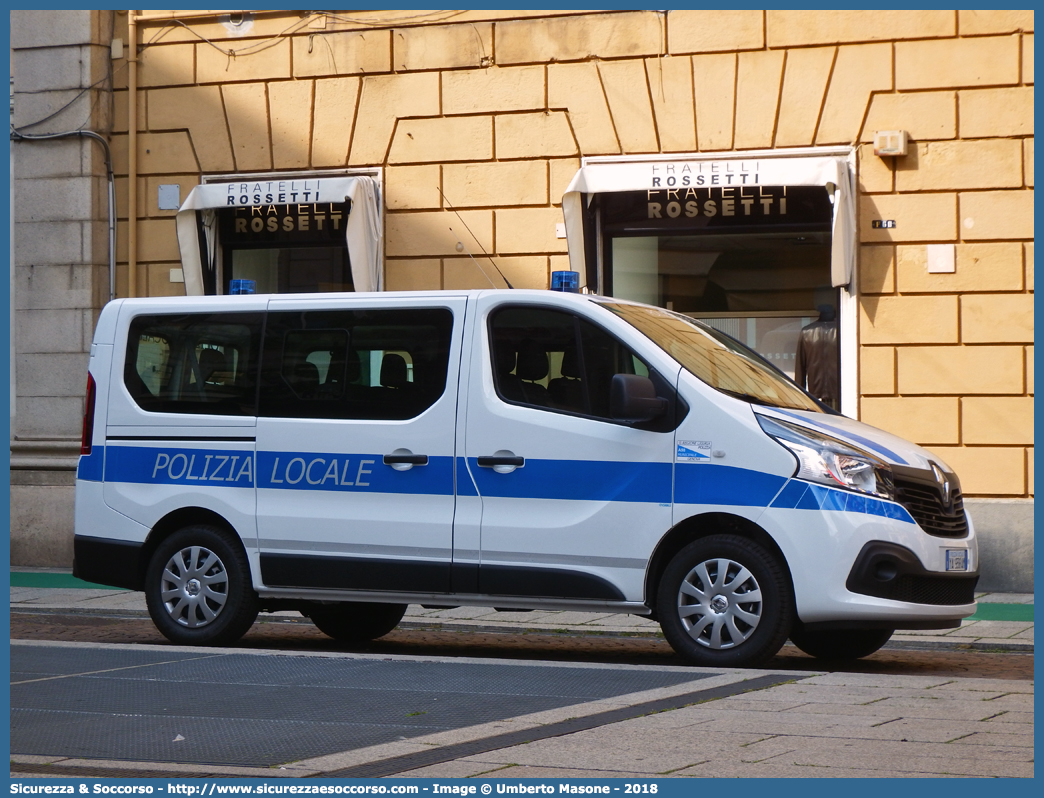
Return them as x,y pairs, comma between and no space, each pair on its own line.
242,709
447,753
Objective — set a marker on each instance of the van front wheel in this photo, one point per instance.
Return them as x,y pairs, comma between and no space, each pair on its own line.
725,601
197,588
356,622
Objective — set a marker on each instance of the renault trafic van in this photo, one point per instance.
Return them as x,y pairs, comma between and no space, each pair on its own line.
345,455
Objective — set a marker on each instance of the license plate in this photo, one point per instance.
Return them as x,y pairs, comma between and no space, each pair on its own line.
956,559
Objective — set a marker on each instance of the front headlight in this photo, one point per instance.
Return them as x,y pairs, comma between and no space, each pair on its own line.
829,461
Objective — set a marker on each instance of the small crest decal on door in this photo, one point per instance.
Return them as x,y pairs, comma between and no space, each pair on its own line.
693,451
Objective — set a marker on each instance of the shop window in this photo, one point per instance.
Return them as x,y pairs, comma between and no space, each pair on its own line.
194,364
752,261
286,249
355,364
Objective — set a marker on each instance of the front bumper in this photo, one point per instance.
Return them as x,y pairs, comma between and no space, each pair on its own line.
836,583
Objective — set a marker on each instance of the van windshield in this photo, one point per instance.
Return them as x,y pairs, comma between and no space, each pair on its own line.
718,360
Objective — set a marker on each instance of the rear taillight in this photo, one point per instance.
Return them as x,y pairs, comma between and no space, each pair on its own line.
88,417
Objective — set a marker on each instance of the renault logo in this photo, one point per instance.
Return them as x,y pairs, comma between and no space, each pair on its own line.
944,486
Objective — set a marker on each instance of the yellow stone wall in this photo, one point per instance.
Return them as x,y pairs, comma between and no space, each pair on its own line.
490,112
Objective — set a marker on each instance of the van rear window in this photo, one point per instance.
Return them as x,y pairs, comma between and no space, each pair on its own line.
194,363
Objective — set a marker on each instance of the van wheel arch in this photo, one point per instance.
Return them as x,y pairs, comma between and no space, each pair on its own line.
171,523
700,526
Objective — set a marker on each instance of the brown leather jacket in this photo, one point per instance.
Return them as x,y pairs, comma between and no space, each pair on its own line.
818,361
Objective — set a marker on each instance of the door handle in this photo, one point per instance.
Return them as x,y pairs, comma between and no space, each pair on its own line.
503,461
492,461
404,459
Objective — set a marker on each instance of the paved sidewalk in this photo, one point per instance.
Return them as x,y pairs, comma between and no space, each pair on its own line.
823,726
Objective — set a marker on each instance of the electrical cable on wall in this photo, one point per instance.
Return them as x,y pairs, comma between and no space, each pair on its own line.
19,134
109,77
308,18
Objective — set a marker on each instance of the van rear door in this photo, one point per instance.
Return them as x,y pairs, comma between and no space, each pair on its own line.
355,442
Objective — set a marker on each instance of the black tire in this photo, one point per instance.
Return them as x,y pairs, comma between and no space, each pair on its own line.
355,622
839,644
716,627
198,589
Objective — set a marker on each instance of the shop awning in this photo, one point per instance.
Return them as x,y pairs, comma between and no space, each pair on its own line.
832,172
362,231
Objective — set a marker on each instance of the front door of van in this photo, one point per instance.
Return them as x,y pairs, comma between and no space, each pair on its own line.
573,502
355,443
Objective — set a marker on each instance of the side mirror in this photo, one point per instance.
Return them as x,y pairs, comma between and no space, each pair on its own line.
633,398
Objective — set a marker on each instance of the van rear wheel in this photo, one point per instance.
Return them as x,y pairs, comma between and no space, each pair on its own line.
197,588
725,601
839,644
356,622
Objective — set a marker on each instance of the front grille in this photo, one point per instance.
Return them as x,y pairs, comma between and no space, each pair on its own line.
924,503
939,590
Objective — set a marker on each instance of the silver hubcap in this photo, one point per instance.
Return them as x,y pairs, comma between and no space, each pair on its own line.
719,603
194,586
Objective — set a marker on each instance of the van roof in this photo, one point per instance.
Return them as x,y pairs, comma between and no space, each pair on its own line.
226,300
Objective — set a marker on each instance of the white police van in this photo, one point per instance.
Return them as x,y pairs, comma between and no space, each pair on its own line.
346,455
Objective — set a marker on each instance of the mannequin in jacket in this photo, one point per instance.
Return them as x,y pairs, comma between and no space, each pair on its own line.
817,364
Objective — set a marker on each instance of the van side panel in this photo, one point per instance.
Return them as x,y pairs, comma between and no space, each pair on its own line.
150,477
107,545
356,431
467,512
724,462
573,501
160,462
107,548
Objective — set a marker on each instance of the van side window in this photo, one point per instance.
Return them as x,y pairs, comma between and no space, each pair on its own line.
557,361
199,363
355,364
